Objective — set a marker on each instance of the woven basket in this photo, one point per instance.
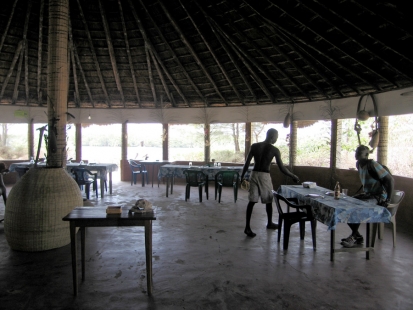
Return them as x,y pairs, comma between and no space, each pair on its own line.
35,208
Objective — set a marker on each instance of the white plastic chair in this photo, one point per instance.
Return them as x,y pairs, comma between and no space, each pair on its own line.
392,207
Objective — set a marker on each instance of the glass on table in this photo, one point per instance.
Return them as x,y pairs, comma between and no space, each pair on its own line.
344,192
219,165
190,164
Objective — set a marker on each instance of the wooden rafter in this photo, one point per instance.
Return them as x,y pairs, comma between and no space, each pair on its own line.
39,54
13,63
280,51
79,65
233,60
364,47
92,50
17,79
3,37
111,52
73,61
26,52
224,72
165,86
371,49
191,50
148,60
149,44
309,45
246,62
132,70
174,56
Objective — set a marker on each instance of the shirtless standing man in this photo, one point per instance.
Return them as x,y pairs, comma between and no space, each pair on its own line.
260,179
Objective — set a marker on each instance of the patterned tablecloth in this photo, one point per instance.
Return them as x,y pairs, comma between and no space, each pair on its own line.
330,211
178,170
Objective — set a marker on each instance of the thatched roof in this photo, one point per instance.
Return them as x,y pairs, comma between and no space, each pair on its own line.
193,53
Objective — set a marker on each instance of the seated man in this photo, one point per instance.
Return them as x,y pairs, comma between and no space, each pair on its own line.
378,188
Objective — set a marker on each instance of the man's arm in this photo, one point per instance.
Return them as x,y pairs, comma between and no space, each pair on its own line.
247,164
282,167
388,184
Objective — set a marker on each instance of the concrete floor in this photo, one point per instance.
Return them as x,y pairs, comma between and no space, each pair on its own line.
203,260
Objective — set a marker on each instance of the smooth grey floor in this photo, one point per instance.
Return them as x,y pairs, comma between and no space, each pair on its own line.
203,260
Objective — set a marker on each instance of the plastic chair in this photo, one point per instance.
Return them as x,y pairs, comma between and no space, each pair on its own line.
290,218
85,178
195,178
136,169
227,178
395,201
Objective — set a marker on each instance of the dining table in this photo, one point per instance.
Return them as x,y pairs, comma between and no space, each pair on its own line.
171,171
103,171
331,212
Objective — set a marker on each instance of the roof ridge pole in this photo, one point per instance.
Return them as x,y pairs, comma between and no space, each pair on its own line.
8,25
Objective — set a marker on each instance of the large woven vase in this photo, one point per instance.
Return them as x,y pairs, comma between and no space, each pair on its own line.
35,208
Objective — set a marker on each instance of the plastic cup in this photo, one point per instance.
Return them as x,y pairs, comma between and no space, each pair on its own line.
344,192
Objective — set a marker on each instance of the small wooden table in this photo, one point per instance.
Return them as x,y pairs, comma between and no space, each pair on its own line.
96,217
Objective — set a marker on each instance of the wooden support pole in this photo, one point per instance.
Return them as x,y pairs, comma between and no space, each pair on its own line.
165,141
207,143
30,138
293,144
248,131
382,148
78,142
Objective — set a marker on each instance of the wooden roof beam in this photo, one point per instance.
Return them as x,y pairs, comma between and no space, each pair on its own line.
111,52
79,65
3,37
95,59
165,86
13,63
224,72
26,52
148,60
191,50
17,79
153,50
345,67
73,61
233,60
39,54
132,70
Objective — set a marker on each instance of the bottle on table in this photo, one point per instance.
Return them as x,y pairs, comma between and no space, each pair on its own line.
337,191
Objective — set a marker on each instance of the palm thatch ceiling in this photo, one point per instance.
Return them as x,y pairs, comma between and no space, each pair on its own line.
217,53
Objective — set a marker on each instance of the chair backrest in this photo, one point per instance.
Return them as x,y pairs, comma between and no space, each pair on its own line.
194,177
395,201
135,166
277,202
82,176
227,178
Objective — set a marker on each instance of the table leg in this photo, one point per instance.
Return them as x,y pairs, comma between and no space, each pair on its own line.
332,241
153,170
172,184
368,240
148,252
167,185
73,252
102,186
82,250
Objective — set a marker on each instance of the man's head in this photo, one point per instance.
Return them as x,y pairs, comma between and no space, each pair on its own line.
362,152
272,135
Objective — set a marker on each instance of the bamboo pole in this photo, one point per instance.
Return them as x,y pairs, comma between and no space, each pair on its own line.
293,144
165,141
78,142
384,140
248,130
57,81
207,144
30,138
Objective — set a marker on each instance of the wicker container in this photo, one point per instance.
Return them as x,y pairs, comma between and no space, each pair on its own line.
35,208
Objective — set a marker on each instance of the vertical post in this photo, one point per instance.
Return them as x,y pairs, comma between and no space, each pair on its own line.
293,144
335,149
125,169
57,81
248,132
207,143
30,138
78,142
165,141
384,139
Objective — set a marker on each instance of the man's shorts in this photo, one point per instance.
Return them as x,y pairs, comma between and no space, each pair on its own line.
260,186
